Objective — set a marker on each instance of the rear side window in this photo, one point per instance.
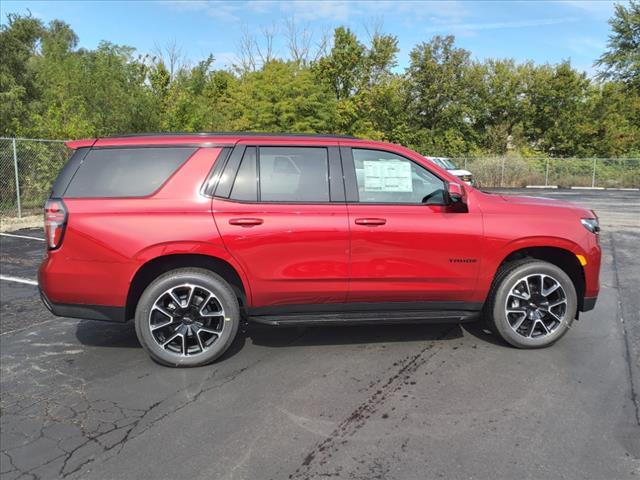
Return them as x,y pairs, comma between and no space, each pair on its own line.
125,172
294,174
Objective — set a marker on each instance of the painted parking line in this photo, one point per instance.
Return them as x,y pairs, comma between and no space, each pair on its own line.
25,281
21,236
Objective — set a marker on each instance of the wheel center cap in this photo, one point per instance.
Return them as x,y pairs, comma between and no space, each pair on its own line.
534,314
187,320
537,299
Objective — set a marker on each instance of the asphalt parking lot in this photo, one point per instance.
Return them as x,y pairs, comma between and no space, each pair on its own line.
80,399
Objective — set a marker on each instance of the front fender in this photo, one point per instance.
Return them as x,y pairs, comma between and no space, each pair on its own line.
497,254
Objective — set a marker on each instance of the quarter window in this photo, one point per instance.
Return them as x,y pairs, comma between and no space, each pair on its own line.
294,174
125,172
384,177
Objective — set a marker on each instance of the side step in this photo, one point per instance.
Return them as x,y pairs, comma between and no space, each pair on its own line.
367,318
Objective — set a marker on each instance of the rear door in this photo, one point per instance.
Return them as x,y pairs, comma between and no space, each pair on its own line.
281,213
406,244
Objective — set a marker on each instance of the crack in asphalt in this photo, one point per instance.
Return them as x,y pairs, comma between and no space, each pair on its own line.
98,435
100,440
94,423
322,451
627,343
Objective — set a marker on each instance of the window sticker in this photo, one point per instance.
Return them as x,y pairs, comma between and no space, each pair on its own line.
387,176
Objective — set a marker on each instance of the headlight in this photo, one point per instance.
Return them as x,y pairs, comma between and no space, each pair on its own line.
591,224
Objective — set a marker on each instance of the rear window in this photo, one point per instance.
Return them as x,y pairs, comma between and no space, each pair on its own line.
125,172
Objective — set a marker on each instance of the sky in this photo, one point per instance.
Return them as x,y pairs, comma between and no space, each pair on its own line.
539,30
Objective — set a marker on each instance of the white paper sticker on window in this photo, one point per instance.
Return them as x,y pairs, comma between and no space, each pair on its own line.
387,176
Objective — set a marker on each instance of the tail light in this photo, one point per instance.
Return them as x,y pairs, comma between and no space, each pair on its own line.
55,222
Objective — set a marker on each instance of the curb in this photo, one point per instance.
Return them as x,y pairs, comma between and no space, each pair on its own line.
621,189
607,188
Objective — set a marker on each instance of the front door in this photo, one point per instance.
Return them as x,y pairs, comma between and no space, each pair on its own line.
406,244
283,218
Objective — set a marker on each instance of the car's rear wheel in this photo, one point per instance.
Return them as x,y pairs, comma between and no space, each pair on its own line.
187,317
532,303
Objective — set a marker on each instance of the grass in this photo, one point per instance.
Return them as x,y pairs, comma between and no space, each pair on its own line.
10,224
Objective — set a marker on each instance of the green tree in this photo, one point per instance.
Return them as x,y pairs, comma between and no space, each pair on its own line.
503,104
355,72
280,97
445,103
18,40
443,89
344,67
622,59
557,97
614,121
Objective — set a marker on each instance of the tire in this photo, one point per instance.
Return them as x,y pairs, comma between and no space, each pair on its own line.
540,320
178,327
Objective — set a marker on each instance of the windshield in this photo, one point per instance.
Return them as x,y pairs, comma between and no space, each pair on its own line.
448,164
442,162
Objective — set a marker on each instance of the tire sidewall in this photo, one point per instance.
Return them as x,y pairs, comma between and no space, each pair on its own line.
177,277
499,315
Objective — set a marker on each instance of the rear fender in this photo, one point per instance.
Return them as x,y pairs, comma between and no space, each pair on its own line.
191,248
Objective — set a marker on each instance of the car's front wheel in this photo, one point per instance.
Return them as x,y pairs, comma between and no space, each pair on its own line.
532,303
187,317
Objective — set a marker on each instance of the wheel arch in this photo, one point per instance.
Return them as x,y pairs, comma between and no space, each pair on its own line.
563,258
156,266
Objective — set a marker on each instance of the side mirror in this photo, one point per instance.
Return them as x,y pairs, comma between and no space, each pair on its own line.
455,192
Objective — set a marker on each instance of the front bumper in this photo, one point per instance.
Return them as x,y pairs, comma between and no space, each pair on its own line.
88,312
589,303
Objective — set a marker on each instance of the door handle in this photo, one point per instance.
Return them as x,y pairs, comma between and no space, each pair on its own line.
371,222
246,222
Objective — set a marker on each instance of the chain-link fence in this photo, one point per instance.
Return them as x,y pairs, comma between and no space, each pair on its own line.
28,168
508,171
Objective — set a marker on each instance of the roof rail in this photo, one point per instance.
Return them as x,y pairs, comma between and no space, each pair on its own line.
229,134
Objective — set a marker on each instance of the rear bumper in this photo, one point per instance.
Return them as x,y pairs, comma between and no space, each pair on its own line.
88,312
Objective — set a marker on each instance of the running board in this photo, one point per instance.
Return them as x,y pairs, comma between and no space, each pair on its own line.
367,318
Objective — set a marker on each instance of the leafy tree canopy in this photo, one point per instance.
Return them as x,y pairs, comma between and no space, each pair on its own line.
444,103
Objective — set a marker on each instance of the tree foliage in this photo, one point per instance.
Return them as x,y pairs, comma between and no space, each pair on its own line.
622,60
444,103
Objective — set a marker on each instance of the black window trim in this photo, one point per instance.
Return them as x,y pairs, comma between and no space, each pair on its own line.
351,182
194,149
334,164
211,181
258,183
228,174
256,173
65,177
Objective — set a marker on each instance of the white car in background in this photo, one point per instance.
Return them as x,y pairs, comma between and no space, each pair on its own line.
446,163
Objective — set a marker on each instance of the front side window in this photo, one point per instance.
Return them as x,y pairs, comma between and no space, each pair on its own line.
294,174
384,177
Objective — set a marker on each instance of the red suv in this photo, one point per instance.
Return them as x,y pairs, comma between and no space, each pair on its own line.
192,234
